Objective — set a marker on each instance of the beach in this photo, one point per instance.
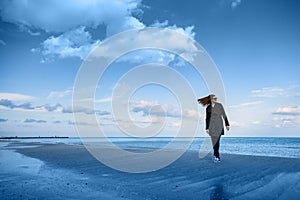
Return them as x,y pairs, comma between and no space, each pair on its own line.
61,171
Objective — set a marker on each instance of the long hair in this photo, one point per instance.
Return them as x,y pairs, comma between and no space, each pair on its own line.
206,100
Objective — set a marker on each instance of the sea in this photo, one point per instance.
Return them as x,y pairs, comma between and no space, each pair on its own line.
258,146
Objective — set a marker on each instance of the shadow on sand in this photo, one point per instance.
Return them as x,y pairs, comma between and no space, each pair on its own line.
218,193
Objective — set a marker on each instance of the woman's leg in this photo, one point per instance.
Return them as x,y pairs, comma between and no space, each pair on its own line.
216,145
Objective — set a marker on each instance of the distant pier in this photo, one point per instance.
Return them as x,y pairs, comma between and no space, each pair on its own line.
35,137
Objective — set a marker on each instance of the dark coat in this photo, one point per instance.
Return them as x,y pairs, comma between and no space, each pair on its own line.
214,119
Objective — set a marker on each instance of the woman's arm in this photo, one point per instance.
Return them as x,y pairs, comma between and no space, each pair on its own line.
225,118
208,115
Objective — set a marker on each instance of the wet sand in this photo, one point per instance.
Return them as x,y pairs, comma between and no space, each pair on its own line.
60,171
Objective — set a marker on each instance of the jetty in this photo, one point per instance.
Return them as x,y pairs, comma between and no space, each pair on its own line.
33,137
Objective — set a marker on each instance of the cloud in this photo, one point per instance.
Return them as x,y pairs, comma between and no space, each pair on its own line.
68,20
166,39
57,122
3,120
30,32
160,24
11,105
236,124
61,94
189,31
78,110
256,122
235,3
28,106
284,121
50,108
102,113
15,97
156,109
149,56
247,104
104,100
61,16
269,92
287,116
84,110
78,123
71,22
78,43
74,43
7,103
160,56
288,110
34,121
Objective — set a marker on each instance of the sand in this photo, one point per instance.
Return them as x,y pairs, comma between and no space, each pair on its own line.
60,171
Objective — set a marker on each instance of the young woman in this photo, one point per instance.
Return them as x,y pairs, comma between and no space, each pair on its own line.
215,114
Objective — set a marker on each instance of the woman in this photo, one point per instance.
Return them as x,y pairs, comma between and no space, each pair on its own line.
215,114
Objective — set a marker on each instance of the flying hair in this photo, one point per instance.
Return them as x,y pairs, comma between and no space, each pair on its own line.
204,101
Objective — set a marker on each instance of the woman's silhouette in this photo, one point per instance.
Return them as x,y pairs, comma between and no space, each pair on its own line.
215,114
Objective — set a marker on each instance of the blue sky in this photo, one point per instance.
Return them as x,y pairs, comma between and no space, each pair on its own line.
254,43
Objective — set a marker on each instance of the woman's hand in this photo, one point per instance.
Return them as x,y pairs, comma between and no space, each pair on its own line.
207,131
227,128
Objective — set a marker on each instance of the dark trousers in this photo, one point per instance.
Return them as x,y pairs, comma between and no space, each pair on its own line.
216,145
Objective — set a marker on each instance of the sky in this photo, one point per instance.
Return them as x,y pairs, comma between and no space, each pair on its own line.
255,45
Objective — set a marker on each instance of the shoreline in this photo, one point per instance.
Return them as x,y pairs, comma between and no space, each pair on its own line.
255,146
146,148
70,171
34,137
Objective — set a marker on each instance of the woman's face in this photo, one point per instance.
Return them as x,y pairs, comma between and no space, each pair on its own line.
214,99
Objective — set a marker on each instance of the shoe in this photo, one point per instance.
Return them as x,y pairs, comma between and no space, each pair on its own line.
216,160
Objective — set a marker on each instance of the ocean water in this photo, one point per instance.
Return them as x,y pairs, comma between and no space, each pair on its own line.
258,146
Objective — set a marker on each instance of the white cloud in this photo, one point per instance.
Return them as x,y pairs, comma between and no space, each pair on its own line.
123,24
71,21
288,110
6,104
236,124
269,92
160,24
161,110
103,100
235,3
59,94
287,116
148,56
160,56
150,38
284,121
61,16
78,123
256,122
74,43
87,111
247,104
15,97
185,31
